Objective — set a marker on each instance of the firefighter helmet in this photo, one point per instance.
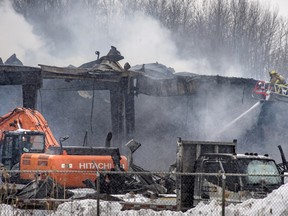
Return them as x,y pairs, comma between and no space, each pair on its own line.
273,72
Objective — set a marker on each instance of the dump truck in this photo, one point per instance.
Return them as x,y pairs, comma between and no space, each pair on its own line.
213,164
28,144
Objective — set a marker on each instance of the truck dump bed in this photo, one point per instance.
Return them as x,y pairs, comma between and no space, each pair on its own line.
187,154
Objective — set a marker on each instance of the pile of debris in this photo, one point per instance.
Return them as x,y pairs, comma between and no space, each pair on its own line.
139,180
12,60
47,194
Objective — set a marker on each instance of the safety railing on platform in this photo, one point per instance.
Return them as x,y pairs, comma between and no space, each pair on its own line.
265,88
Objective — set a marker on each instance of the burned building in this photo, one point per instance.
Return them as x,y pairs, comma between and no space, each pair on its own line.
150,103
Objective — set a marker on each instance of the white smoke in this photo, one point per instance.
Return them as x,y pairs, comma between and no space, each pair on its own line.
17,36
139,38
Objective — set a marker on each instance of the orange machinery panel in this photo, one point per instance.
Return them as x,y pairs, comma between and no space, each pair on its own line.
65,168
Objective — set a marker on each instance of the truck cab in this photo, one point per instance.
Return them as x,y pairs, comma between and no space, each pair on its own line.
15,143
240,186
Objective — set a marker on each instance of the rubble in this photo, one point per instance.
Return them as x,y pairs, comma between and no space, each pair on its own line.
13,60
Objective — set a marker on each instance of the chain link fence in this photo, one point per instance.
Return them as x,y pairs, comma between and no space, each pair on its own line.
141,193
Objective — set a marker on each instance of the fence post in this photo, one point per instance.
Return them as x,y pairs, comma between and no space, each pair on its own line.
97,187
98,192
223,193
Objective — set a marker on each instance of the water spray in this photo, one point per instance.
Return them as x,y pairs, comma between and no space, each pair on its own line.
239,117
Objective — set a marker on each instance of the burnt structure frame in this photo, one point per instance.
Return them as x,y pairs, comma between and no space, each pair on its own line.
122,85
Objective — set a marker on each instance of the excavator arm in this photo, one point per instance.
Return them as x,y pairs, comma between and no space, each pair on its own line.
28,119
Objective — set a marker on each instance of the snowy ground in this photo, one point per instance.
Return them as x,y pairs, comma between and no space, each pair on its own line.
276,203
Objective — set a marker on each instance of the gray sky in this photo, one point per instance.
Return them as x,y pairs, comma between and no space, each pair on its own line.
282,5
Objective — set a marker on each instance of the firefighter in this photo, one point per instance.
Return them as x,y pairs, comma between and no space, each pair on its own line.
278,82
276,78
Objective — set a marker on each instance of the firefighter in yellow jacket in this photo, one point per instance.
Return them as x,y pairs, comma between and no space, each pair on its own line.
278,83
276,78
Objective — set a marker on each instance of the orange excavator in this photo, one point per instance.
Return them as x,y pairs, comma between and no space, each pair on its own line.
28,145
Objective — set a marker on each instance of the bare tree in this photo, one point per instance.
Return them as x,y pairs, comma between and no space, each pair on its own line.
224,32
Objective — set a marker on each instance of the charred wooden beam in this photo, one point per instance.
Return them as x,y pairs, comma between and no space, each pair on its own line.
77,85
73,73
32,81
117,103
129,110
29,93
19,75
166,87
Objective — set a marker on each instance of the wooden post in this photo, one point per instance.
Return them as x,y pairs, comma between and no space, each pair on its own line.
29,93
129,111
31,82
116,98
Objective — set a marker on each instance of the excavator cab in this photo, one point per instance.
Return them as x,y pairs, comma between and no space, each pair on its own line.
16,143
